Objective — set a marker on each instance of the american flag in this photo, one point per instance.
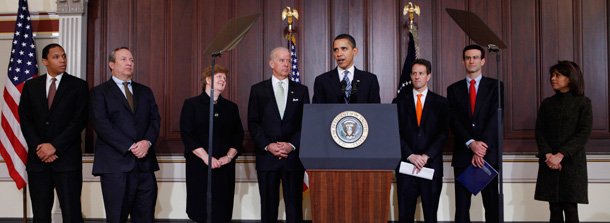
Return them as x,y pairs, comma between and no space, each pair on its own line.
294,74
296,77
22,66
412,54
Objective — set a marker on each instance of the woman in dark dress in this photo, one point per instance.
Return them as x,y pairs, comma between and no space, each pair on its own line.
228,138
563,127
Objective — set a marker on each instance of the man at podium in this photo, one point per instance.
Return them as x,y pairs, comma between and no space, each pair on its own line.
346,84
423,125
275,111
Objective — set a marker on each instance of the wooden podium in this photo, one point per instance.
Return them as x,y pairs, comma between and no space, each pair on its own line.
350,185
350,196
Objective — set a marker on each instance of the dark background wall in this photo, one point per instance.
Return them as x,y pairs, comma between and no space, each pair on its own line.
168,37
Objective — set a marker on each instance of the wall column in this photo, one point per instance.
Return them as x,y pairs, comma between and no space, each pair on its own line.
73,34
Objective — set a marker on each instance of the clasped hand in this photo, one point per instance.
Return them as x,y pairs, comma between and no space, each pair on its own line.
479,148
217,163
140,149
280,149
554,161
419,161
46,152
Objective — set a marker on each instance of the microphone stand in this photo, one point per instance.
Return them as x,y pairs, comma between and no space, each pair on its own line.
496,50
228,38
211,139
343,95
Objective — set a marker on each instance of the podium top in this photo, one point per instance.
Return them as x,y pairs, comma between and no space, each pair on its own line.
379,151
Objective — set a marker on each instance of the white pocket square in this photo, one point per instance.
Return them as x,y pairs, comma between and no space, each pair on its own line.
295,99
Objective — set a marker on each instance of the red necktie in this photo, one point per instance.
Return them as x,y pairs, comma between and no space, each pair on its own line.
418,109
52,90
473,95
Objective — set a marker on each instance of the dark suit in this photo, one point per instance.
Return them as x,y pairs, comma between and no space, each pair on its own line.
267,127
429,138
327,88
118,128
483,126
61,126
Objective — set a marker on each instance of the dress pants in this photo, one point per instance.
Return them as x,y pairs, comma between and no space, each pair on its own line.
269,189
463,198
409,189
68,186
133,193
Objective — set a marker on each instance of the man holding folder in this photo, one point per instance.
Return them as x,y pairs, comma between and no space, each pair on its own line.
423,124
474,122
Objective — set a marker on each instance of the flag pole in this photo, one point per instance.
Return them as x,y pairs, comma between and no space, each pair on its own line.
25,204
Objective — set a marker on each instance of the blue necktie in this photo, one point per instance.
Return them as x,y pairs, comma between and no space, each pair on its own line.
348,86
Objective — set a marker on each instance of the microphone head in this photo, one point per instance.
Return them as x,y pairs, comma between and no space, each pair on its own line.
355,85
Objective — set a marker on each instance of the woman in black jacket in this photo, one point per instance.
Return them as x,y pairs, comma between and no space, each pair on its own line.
228,138
563,127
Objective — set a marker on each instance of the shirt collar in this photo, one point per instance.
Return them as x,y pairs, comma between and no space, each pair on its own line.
57,78
350,69
424,93
274,81
477,79
119,81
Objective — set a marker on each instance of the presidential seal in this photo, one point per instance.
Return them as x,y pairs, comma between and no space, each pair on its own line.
349,129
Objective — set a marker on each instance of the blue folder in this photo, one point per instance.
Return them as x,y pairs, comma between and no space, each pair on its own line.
475,178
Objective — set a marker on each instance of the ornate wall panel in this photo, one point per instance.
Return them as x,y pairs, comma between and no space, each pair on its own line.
168,38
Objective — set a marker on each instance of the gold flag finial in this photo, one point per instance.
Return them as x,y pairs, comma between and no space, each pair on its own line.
410,8
288,12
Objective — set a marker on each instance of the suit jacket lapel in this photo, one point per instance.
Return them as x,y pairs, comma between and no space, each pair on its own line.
411,108
114,90
481,92
63,87
463,95
40,90
137,95
428,106
270,94
334,81
357,77
290,103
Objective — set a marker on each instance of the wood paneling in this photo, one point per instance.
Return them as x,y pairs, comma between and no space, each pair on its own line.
168,37
350,196
522,67
595,61
383,40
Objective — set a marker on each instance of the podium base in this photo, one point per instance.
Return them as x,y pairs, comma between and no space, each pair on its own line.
350,195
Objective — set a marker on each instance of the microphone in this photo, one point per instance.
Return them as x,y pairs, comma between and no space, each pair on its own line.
354,86
343,86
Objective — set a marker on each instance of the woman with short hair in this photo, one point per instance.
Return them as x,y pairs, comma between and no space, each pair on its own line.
228,139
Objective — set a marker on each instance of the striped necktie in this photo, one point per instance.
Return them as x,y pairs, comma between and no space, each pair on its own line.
348,86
